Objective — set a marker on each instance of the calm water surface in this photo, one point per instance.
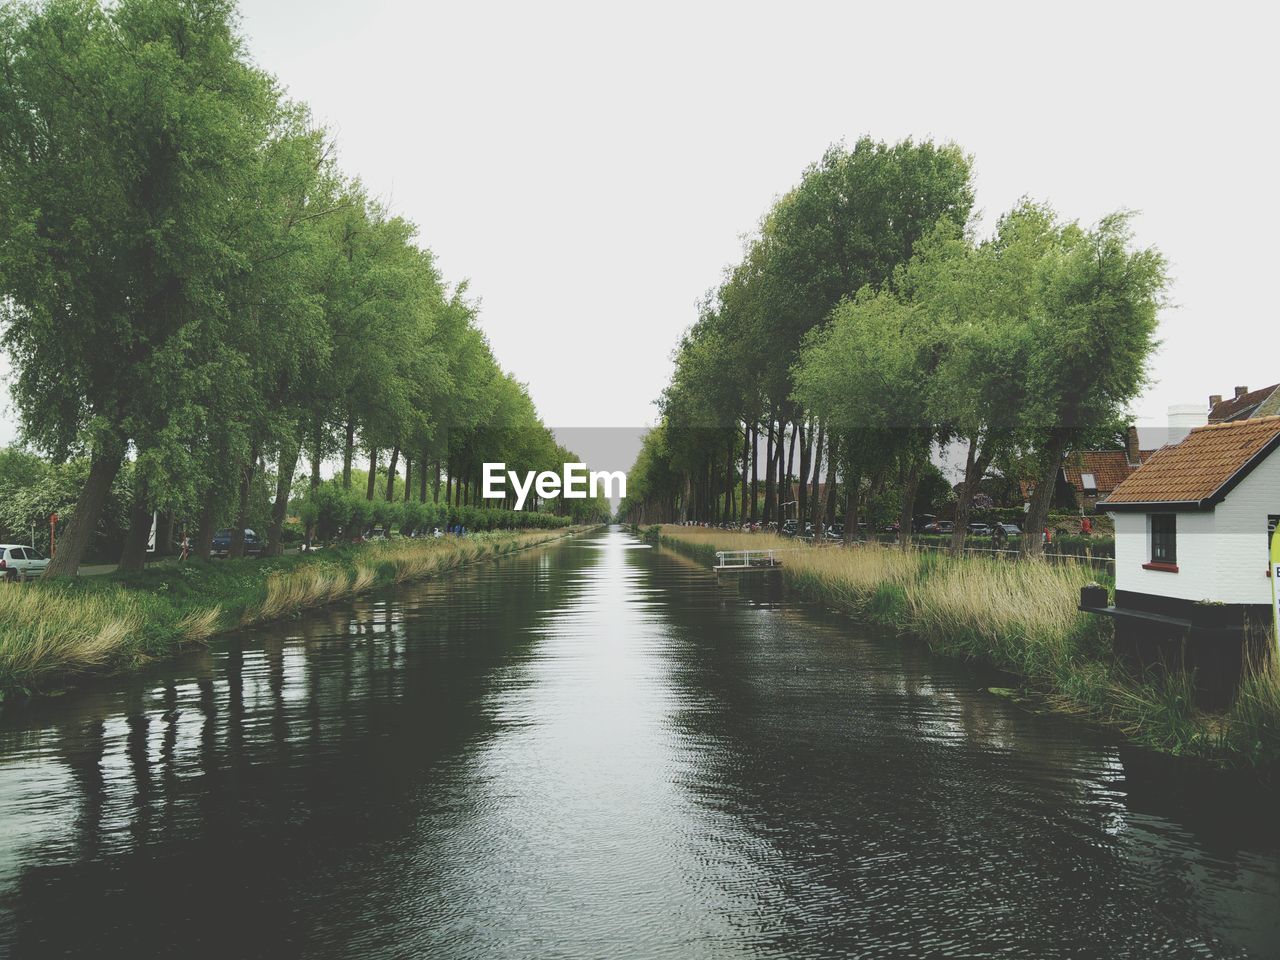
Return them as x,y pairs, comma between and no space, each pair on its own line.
592,750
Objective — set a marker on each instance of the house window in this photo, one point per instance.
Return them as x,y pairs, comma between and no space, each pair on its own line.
1089,482
1164,538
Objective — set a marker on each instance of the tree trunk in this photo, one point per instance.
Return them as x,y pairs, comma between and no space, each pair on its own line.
781,477
207,525
348,451
373,473
408,478
280,508
851,484
242,505
391,474
975,468
133,554
315,483
802,489
791,460
755,464
435,489
1042,498
730,483
164,534
422,478
906,517
75,538
768,475
816,493
832,450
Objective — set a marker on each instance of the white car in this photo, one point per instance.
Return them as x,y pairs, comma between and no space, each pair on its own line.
19,563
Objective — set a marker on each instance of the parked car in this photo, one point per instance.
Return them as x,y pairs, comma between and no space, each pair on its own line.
835,531
980,529
19,563
1007,530
947,527
222,544
922,521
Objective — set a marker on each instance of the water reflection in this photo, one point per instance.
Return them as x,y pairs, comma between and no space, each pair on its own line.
595,750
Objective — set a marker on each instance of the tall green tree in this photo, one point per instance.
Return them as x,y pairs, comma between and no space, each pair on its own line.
126,134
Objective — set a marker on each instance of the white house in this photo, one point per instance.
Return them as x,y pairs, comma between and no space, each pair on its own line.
1192,546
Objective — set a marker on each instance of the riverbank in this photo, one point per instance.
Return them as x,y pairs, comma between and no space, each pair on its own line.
1020,617
52,632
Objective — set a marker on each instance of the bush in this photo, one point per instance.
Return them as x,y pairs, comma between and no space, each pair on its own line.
347,513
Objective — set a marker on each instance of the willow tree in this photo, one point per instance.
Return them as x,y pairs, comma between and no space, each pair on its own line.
125,136
1093,333
981,299
862,373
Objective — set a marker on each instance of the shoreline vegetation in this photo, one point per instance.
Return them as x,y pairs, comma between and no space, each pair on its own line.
1021,618
55,630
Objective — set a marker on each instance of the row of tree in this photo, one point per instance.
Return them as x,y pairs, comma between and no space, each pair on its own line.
192,288
867,327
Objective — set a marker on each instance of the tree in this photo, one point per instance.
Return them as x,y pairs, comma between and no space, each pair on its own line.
1092,336
125,137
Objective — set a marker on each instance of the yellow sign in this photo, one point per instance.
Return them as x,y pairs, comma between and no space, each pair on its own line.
1275,579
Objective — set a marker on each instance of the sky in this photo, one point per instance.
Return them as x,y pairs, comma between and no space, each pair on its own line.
591,169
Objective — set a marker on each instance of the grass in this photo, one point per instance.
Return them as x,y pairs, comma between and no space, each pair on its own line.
1021,617
52,631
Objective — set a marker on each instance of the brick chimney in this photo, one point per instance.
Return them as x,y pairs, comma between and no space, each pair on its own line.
1214,400
1132,452
1241,391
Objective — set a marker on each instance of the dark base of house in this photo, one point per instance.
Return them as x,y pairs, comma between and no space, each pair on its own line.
1215,640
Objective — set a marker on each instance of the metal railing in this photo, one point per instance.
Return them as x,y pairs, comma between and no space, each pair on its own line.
747,559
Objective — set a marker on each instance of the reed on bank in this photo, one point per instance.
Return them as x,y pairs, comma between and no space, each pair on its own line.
1020,617
53,630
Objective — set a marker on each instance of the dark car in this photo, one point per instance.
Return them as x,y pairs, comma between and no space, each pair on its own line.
980,529
835,531
221,546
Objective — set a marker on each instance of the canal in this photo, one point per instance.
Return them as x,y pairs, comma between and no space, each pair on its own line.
593,750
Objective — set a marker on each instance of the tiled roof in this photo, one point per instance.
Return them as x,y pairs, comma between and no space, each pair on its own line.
1110,468
1202,469
1238,407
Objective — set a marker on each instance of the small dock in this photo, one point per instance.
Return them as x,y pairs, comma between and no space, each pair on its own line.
747,561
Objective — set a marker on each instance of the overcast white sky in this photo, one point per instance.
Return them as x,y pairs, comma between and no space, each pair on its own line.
592,168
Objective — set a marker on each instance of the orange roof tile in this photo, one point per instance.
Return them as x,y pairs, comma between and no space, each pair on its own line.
1201,470
1110,468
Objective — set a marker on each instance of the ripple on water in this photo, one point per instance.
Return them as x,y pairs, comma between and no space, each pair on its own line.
594,750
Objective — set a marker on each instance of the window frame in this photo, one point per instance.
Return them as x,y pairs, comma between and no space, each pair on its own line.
1162,542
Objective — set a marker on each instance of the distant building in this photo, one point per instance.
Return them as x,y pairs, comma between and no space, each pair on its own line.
1192,539
1245,405
1095,474
1088,476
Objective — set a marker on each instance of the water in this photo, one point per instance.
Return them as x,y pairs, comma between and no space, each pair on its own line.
592,750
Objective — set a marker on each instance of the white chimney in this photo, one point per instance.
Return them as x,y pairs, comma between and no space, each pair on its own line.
1183,418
